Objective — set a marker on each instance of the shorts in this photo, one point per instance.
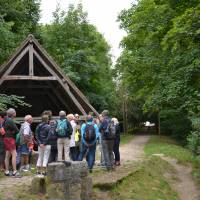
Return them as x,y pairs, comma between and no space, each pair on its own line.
9,144
24,149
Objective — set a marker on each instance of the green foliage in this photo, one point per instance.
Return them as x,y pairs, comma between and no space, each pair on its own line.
175,124
169,147
11,100
159,65
17,19
194,137
76,45
82,53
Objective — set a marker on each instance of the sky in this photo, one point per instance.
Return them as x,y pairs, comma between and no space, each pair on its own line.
101,13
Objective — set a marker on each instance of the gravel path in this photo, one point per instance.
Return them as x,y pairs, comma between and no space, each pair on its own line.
133,151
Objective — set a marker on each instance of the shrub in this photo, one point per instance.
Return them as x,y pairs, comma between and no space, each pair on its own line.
175,124
194,138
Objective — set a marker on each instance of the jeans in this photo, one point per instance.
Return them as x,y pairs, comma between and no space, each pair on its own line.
116,149
63,143
90,154
107,146
74,153
53,154
102,160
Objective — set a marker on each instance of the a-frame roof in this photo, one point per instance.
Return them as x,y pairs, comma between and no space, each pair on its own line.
45,86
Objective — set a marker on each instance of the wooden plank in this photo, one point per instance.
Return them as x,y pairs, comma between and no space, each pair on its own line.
27,86
45,64
11,67
31,72
34,78
35,119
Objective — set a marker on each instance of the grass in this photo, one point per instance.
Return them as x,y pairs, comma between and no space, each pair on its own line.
168,147
147,183
125,138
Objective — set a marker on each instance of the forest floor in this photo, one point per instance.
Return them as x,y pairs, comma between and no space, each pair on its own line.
152,168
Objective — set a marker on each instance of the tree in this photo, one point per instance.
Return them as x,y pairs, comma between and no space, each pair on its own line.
17,19
82,53
11,100
159,64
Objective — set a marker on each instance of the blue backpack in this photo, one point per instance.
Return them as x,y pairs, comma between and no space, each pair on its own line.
62,127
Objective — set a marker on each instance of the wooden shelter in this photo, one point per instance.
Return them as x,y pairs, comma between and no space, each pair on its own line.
32,73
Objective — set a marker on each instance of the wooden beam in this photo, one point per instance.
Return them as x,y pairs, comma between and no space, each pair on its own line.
31,72
14,63
27,87
64,85
34,78
35,119
55,91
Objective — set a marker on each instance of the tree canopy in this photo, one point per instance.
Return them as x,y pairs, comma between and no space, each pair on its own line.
82,53
74,43
17,19
159,65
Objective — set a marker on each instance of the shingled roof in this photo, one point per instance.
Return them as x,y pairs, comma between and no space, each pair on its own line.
32,73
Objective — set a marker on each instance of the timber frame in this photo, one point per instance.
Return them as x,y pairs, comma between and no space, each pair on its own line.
32,73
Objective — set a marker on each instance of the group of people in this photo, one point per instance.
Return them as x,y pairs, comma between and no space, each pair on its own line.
70,137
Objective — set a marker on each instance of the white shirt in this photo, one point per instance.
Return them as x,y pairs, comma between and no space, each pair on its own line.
72,140
27,128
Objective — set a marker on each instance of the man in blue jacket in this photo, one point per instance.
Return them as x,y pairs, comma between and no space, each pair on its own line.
89,134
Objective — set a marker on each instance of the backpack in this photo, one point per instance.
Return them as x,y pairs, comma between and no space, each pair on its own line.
62,128
21,138
2,130
110,132
17,139
89,134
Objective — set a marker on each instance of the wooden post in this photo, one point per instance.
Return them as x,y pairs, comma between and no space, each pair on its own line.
31,73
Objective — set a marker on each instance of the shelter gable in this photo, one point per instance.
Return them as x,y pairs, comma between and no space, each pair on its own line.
32,73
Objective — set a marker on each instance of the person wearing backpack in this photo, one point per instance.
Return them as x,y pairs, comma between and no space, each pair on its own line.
108,132
25,141
116,141
9,142
89,133
42,134
64,132
2,133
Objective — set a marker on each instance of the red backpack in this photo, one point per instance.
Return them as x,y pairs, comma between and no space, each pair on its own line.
2,130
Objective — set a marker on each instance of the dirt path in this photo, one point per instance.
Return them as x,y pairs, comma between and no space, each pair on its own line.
9,186
130,154
133,151
184,186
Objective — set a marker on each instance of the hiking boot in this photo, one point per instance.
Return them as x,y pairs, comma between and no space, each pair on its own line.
16,174
7,173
